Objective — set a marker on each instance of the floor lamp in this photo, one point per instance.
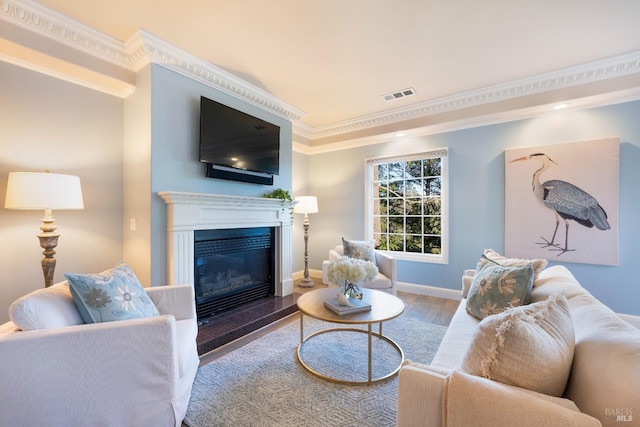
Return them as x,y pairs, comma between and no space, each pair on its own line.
306,205
44,191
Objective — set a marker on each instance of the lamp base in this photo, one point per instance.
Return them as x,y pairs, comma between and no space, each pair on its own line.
306,283
48,242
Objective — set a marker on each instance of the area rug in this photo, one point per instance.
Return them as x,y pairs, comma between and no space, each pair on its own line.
262,384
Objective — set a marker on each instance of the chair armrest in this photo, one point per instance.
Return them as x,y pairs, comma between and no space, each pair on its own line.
81,375
387,266
333,255
325,272
177,300
434,397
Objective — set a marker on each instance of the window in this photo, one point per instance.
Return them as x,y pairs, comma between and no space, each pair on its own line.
406,203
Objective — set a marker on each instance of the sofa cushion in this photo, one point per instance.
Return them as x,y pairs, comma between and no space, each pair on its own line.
605,375
491,255
47,308
380,282
530,347
496,287
456,340
553,280
361,249
114,294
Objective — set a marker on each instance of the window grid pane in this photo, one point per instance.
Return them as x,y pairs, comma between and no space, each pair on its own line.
407,205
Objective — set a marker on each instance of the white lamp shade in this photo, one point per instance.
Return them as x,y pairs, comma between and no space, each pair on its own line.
306,204
43,190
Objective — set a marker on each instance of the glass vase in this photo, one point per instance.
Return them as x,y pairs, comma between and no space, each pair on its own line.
351,290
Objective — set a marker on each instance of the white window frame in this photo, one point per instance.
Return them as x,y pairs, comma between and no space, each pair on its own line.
442,153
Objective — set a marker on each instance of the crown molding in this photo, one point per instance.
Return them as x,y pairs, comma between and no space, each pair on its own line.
628,95
141,49
41,20
144,48
303,130
596,71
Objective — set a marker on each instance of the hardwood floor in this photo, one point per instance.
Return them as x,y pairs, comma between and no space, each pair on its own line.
429,309
438,311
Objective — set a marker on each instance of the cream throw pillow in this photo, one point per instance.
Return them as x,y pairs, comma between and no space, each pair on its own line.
530,347
45,308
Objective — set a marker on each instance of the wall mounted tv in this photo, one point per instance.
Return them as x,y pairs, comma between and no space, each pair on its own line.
237,146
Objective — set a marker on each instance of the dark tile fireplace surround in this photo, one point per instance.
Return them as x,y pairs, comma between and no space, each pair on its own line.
234,284
230,325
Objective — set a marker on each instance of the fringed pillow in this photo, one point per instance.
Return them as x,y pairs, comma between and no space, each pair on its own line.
530,347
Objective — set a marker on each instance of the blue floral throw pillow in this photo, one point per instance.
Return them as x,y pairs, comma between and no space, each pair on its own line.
359,249
497,287
114,294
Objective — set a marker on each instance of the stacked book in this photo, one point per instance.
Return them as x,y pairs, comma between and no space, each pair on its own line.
355,306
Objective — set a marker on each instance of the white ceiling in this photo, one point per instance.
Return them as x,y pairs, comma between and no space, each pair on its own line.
334,59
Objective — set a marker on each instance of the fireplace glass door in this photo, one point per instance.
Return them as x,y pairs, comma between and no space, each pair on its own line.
232,267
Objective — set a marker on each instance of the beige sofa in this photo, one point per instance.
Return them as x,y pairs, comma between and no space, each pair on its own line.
63,372
603,385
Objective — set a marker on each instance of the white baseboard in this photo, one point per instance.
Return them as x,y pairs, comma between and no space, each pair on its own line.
316,274
432,291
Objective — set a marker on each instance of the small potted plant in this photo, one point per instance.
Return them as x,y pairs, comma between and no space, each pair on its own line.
284,197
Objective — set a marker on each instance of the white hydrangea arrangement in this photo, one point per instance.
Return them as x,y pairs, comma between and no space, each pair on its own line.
345,270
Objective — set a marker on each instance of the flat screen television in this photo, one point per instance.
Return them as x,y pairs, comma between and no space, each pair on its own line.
236,145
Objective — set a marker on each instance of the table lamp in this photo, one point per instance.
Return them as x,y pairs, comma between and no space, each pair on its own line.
306,205
46,191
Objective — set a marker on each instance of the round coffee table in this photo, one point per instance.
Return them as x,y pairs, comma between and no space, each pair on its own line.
384,307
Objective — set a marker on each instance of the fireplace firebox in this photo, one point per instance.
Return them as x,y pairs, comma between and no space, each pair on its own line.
232,267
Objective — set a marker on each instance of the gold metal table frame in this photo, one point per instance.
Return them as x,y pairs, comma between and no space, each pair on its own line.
384,307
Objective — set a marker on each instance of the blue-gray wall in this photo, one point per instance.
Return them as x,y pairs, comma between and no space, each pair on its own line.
47,123
476,195
172,142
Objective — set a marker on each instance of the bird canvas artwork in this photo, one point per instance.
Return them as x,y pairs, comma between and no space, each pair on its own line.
561,202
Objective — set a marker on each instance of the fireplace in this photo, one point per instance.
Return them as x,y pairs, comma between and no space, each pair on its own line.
232,267
191,213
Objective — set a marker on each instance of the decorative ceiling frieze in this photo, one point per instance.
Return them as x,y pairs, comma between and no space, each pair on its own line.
597,71
144,48
141,49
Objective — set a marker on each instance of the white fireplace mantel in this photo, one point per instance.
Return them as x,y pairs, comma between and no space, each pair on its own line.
187,212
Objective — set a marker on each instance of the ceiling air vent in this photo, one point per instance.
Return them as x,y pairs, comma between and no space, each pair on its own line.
399,94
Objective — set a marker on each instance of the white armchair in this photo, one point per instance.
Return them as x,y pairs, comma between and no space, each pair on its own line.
123,373
386,279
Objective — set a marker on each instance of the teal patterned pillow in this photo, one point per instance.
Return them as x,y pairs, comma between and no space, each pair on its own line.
359,249
496,287
114,294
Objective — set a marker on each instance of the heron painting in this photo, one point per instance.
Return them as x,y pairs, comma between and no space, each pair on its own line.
561,202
